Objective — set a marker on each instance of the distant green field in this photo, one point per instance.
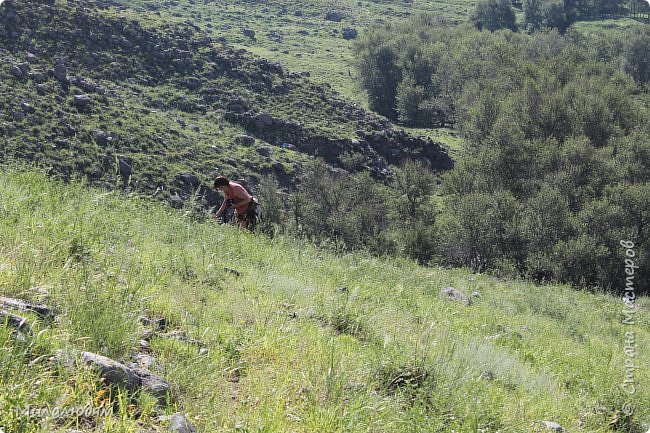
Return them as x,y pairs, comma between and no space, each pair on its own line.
302,340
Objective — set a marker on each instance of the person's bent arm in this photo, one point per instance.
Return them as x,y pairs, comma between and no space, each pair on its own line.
221,209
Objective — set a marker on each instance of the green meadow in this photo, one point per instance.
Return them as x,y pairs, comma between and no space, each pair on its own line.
279,335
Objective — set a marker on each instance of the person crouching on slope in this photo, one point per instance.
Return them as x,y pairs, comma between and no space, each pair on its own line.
236,196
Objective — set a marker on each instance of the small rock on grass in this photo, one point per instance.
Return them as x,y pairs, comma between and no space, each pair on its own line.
553,426
180,424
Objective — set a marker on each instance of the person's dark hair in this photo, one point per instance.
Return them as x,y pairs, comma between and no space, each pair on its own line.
220,181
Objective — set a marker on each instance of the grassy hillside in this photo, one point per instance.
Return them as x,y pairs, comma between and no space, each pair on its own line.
300,339
109,91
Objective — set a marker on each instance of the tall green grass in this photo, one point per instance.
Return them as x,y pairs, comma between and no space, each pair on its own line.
303,340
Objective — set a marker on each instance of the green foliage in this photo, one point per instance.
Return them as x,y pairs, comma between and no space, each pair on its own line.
317,341
494,15
637,56
273,209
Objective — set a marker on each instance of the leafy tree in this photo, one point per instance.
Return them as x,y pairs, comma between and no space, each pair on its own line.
377,63
494,15
637,56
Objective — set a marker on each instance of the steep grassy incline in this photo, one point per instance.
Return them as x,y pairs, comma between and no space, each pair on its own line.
277,336
95,91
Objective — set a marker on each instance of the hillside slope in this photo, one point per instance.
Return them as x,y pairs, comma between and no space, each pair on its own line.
277,336
94,91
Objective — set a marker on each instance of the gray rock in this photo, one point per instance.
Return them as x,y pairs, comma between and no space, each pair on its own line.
153,384
27,107
248,33
289,146
81,101
264,150
455,295
180,424
20,323
189,179
231,161
113,372
19,304
245,140
61,72
550,425
102,138
298,13
350,33
16,72
18,115
125,169
303,32
38,77
31,58
96,173
24,68
148,362
176,201
334,15
263,120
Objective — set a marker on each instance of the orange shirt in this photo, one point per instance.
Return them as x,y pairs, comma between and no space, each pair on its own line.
237,193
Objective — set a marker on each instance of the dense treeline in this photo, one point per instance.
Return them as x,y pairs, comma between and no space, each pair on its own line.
556,170
558,14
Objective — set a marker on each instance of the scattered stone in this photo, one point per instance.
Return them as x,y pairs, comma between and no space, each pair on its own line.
350,33
18,115
153,384
263,120
233,271
38,77
20,323
81,101
334,15
16,72
245,140
189,179
303,32
476,295
455,295
264,150
18,304
31,58
27,107
180,424
176,201
24,68
96,173
550,425
61,72
298,13
102,138
113,372
231,161
148,362
248,33
289,146
125,169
